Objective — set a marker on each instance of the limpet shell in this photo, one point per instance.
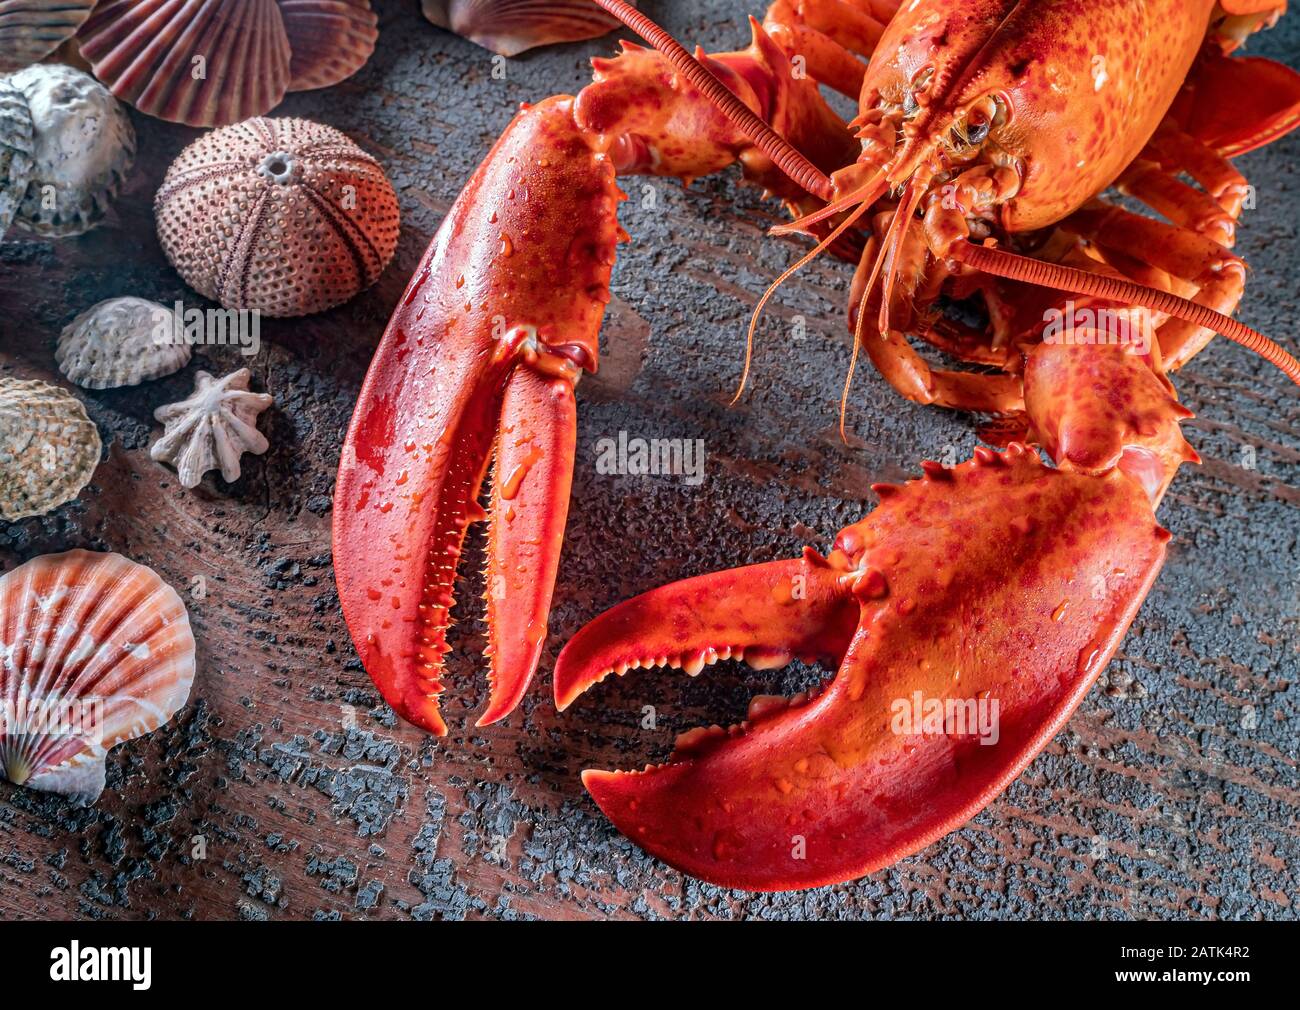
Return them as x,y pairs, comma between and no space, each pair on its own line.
284,216
84,147
16,151
49,448
32,29
509,27
121,342
95,650
212,429
217,62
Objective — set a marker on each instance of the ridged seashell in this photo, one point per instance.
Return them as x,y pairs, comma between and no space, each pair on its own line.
280,215
95,650
121,342
32,29
16,158
212,429
49,448
84,145
217,62
509,27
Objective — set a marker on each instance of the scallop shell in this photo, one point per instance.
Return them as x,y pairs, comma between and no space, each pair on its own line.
16,158
95,650
32,29
216,62
84,146
121,342
49,448
509,27
284,216
212,429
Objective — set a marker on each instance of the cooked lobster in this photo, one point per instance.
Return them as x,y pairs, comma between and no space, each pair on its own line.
986,132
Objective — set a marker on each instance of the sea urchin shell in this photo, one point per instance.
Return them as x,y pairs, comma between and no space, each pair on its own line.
508,27
217,62
84,145
213,428
32,29
284,216
95,650
121,342
49,448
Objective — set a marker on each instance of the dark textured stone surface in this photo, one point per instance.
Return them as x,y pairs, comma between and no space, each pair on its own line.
287,790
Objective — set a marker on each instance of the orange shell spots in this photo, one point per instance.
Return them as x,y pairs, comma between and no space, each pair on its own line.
32,29
217,62
283,216
95,650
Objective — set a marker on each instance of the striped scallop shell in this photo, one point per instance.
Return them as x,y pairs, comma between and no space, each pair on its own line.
216,62
49,448
284,216
95,650
32,29
509,27
121,342
16,151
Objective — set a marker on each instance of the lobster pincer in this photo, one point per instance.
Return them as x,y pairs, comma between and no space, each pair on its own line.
480,358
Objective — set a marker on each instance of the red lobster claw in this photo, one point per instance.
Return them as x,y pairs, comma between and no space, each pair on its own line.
480,357
969,613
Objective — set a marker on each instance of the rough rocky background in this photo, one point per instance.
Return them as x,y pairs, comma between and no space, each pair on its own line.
288,790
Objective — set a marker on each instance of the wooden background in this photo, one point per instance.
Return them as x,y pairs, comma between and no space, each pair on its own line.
1172,792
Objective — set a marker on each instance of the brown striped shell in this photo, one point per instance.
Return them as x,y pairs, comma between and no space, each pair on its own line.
32,29
283,216
509,27
95,650
17,161
217,62
49,448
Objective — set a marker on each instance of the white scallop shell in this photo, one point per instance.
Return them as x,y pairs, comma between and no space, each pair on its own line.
84,147
16,158
94,650
212,429
49,448
121,342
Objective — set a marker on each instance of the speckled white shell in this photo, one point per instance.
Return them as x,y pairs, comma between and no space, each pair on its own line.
84,147
49,448
212,429
121,342
16,157
95,650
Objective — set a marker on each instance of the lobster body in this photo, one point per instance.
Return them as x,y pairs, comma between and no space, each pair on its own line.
1001,582
1081,87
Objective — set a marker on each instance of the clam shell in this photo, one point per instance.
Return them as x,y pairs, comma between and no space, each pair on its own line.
95,650
32,29
121,342
49,448
217,62
509,27
84,145
16,158
284,216
212,429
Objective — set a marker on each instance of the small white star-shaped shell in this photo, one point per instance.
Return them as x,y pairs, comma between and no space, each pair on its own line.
212,429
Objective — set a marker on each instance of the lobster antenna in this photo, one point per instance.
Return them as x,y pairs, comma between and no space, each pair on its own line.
767,295
853,358
869,193
1015,267
783,154
916,187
